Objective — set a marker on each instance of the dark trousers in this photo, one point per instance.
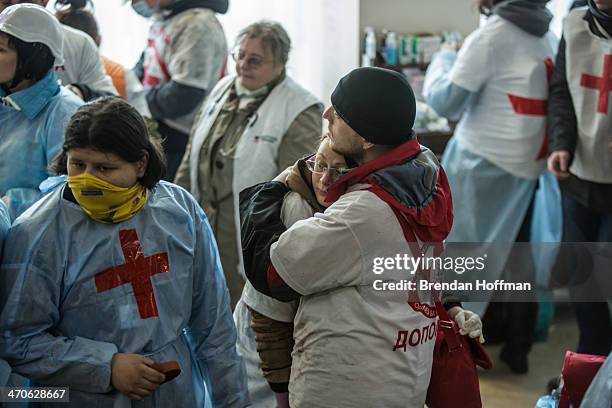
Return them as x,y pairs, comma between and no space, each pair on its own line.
515,322
521,316
174,144
580,224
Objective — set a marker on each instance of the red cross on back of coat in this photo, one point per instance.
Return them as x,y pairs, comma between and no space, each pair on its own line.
603,84
536,107
137,270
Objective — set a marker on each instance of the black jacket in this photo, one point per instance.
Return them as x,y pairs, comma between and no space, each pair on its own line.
563,130
260,227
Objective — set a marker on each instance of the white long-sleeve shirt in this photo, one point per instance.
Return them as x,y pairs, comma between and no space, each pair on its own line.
82,62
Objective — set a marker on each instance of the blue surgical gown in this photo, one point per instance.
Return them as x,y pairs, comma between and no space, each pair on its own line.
5,369
32,124
490,203
4,225
74,292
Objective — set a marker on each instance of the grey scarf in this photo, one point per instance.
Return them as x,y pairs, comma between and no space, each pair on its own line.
531,16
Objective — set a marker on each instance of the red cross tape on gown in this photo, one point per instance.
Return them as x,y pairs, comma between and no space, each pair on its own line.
137,270
536,107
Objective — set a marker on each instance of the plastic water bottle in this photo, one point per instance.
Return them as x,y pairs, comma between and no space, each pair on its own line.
550,401
370,45
391,49
405,50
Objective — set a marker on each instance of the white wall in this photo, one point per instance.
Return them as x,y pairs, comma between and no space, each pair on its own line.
323,33
124,33
326,34
414,16
435,16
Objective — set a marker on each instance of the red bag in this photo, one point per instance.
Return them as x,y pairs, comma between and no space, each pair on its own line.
454,378
578,371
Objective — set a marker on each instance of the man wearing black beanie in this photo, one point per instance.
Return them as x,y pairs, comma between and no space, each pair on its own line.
340,262
377,104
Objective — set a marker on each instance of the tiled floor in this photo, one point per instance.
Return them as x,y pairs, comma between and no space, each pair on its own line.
500,388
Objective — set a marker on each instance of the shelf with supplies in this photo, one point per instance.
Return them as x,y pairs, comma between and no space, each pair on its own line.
418,33
411,55
388,49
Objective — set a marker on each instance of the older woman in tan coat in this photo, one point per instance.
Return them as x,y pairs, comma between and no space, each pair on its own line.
252,126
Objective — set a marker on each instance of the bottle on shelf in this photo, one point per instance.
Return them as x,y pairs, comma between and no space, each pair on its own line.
369,54
391,49
380,50
405,50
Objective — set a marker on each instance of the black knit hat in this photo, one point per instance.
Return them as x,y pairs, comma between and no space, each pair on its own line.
376,103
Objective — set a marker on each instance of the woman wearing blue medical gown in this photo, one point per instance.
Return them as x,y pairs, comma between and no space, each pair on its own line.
115,270
34,108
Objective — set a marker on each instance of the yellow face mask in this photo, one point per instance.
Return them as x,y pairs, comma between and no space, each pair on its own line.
106,202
